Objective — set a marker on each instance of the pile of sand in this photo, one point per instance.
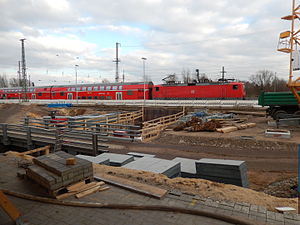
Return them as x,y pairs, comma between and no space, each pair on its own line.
201,187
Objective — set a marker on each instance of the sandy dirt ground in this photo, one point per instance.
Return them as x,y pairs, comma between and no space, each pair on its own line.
201,187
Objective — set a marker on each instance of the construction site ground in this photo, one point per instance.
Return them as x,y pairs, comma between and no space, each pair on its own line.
269,160
36,213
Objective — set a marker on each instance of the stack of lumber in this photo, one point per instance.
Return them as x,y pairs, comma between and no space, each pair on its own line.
236,127
81,189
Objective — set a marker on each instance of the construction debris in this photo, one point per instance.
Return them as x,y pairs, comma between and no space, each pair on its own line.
278,133
204,121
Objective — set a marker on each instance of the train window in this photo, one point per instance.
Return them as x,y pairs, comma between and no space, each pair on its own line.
101,87
120,87
83,97
84,88
61,93
129,92
89,88
156,88
108,87
68,89
235,87
95,97
39,94
78,88
108,98
114,87
53,93
73,89
95,88
78,97
89,97
101,97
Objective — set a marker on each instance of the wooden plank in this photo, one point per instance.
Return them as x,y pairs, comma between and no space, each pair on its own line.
46,148
130,185
103,189
65,195
87,192
8,207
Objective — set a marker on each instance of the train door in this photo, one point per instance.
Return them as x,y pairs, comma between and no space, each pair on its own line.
70,96
33,96
119,95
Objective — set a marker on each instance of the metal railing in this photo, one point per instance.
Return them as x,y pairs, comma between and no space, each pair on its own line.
198,103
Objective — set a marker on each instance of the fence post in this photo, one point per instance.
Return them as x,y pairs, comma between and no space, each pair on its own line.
26,121
29,140
97,128
95,144
5,136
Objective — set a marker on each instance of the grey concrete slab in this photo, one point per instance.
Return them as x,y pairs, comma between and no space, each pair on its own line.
224,171
155,165
188,167
139,155
94,159
116,159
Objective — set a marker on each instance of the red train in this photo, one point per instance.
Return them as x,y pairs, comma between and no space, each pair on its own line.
130,91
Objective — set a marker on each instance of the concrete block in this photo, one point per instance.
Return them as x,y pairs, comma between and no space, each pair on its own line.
155,165
116,159
188,167
94,159
224,171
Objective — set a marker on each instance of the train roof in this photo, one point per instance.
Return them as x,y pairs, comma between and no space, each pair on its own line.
79,85
200,84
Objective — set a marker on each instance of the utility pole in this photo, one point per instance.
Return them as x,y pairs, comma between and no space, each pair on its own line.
19,73
123,77
24,75
117,60
223,73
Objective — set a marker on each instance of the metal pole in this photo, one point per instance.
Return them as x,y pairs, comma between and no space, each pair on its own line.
144,59
76,84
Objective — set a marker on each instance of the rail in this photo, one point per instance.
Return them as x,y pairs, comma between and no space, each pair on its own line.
198,103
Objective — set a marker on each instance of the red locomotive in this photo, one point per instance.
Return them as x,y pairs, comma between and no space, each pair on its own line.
130,91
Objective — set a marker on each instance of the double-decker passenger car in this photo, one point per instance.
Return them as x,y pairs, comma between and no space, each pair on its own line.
100,91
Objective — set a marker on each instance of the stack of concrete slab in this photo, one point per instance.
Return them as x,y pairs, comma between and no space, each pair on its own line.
223,171
155,165
188,167
116,159
94,159
51,171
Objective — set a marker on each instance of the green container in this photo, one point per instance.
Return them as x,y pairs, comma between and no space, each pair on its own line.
277,99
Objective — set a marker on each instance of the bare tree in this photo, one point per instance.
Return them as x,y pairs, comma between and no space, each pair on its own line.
263,79
186,73
3,81
14,82
105,81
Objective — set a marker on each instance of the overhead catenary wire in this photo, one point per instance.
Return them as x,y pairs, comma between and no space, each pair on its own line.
213,215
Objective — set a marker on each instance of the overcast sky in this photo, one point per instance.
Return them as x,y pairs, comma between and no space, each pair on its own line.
172,34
